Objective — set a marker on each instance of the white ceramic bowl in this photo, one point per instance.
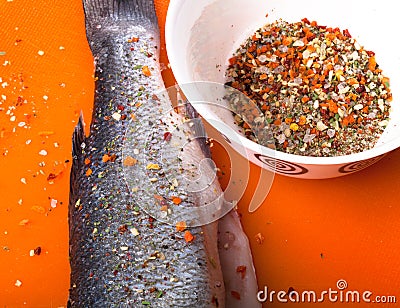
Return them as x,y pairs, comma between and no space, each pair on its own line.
202,34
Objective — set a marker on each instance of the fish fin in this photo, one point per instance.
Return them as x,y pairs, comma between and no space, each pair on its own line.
78,138
198,127
190,111
119,9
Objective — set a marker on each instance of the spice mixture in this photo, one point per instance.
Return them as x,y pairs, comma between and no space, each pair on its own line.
320,92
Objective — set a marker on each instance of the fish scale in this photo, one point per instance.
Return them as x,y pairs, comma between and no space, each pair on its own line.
119,255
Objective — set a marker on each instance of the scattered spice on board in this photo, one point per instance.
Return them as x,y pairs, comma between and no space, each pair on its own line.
319,91
259,238
18,283
37,251
23,222
53,203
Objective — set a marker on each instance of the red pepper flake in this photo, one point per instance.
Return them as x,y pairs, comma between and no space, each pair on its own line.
152,289
181,226
133,40
232,61
189,237
302,120
346,33
122,229
242,270
146,71
167,136
89,172
259,238
24,222
305,99
176,200
333,106
105,158
159,198
130,161
370,53
38,251
151,220
235,295
120,107
51,176
371,63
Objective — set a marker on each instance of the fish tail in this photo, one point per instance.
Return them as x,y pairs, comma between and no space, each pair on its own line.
106,18
119,9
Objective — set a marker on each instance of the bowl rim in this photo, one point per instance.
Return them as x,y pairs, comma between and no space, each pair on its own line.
173,13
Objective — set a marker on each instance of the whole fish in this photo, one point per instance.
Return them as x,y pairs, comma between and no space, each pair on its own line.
122,179
119,255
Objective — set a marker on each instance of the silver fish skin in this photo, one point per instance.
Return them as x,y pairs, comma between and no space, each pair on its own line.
119,255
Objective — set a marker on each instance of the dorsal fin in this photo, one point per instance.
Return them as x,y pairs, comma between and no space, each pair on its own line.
198,128
78,138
